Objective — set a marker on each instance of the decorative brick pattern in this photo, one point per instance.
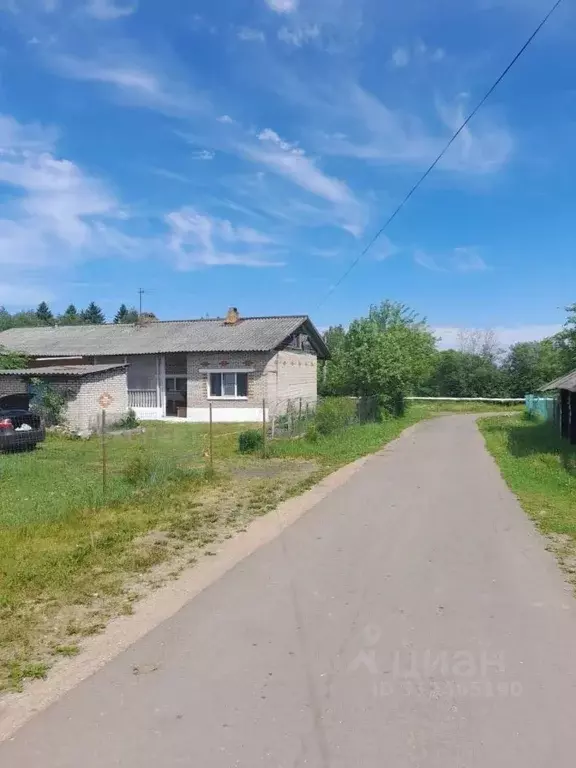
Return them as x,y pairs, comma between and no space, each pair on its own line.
257,381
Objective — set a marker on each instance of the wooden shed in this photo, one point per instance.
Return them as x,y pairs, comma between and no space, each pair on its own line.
566,388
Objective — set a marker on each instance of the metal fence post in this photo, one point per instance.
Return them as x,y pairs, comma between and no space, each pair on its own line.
211,441
264,427
104,467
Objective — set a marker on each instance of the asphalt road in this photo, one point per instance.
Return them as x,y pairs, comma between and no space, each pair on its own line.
412,618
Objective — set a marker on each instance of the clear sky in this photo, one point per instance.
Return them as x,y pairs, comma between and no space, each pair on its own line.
242,152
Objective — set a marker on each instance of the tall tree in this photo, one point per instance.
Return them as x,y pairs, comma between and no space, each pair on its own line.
390,313
26,318
125,315
93,315
70,316
465,374
531,364
566,340
44,314
330,371
391,362
5,319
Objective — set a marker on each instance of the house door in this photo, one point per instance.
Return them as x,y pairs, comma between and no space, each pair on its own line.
176,396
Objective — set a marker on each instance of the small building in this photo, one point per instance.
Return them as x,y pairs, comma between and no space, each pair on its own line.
566,388
178,369
81,387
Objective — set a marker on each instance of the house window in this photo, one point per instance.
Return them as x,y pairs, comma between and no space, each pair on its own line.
228,385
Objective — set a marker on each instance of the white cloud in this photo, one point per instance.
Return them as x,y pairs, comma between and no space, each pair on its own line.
283,6
401,57
299,35
107,10
203,154
226,119
172,175
290,161
450,335
198,240
376,133
135,81
467,260
461,259
250,35
58,213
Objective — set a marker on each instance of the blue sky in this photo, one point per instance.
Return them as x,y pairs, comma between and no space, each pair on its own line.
242,152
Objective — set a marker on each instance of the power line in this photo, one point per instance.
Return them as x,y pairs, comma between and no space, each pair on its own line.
441,155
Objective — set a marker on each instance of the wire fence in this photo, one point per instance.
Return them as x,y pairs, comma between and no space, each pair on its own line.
546,408
49,472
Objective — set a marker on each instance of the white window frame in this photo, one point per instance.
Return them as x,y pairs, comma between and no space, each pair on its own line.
222,371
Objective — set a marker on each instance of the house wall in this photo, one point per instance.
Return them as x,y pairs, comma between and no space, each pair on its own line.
12,385
83,411
294,380
249,409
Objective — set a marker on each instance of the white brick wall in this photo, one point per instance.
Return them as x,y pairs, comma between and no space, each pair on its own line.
83,411
12,385
257,381
292,375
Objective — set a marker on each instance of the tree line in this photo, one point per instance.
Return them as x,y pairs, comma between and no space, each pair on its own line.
392,352
91,315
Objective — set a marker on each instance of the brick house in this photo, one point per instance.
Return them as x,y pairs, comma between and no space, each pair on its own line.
81,386
177,369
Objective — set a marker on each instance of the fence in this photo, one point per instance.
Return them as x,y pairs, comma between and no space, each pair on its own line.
292,418
546,408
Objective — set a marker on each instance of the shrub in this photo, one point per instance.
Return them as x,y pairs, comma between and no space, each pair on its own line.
334,413
129,421
370,409
139,470
250,441
312,435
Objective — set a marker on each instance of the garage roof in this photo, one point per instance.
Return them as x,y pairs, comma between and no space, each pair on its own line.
72,371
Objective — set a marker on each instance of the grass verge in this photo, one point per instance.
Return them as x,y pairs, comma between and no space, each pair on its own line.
540,468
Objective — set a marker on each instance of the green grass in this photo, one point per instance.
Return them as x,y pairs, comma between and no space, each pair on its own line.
349,444
64,475
539,467
454,406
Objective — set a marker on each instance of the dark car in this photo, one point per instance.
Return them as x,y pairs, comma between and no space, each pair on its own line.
20,429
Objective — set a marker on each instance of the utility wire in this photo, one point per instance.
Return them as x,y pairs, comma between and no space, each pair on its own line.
440,156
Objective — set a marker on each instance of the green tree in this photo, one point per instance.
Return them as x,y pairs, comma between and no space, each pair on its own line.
391,313
531,364
125,315
566,340
44,314
27,318
5,319
391,362
93,315
70,316
11,361
330,371
465,374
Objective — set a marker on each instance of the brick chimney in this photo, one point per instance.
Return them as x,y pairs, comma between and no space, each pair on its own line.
232,316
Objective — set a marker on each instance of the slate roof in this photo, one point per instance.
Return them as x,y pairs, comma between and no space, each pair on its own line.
250,334
73,371
567,381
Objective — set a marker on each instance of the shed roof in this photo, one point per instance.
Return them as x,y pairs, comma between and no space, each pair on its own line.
72,371
250,334
568,381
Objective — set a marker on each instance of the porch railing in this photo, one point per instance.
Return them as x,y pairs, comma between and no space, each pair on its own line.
142,398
